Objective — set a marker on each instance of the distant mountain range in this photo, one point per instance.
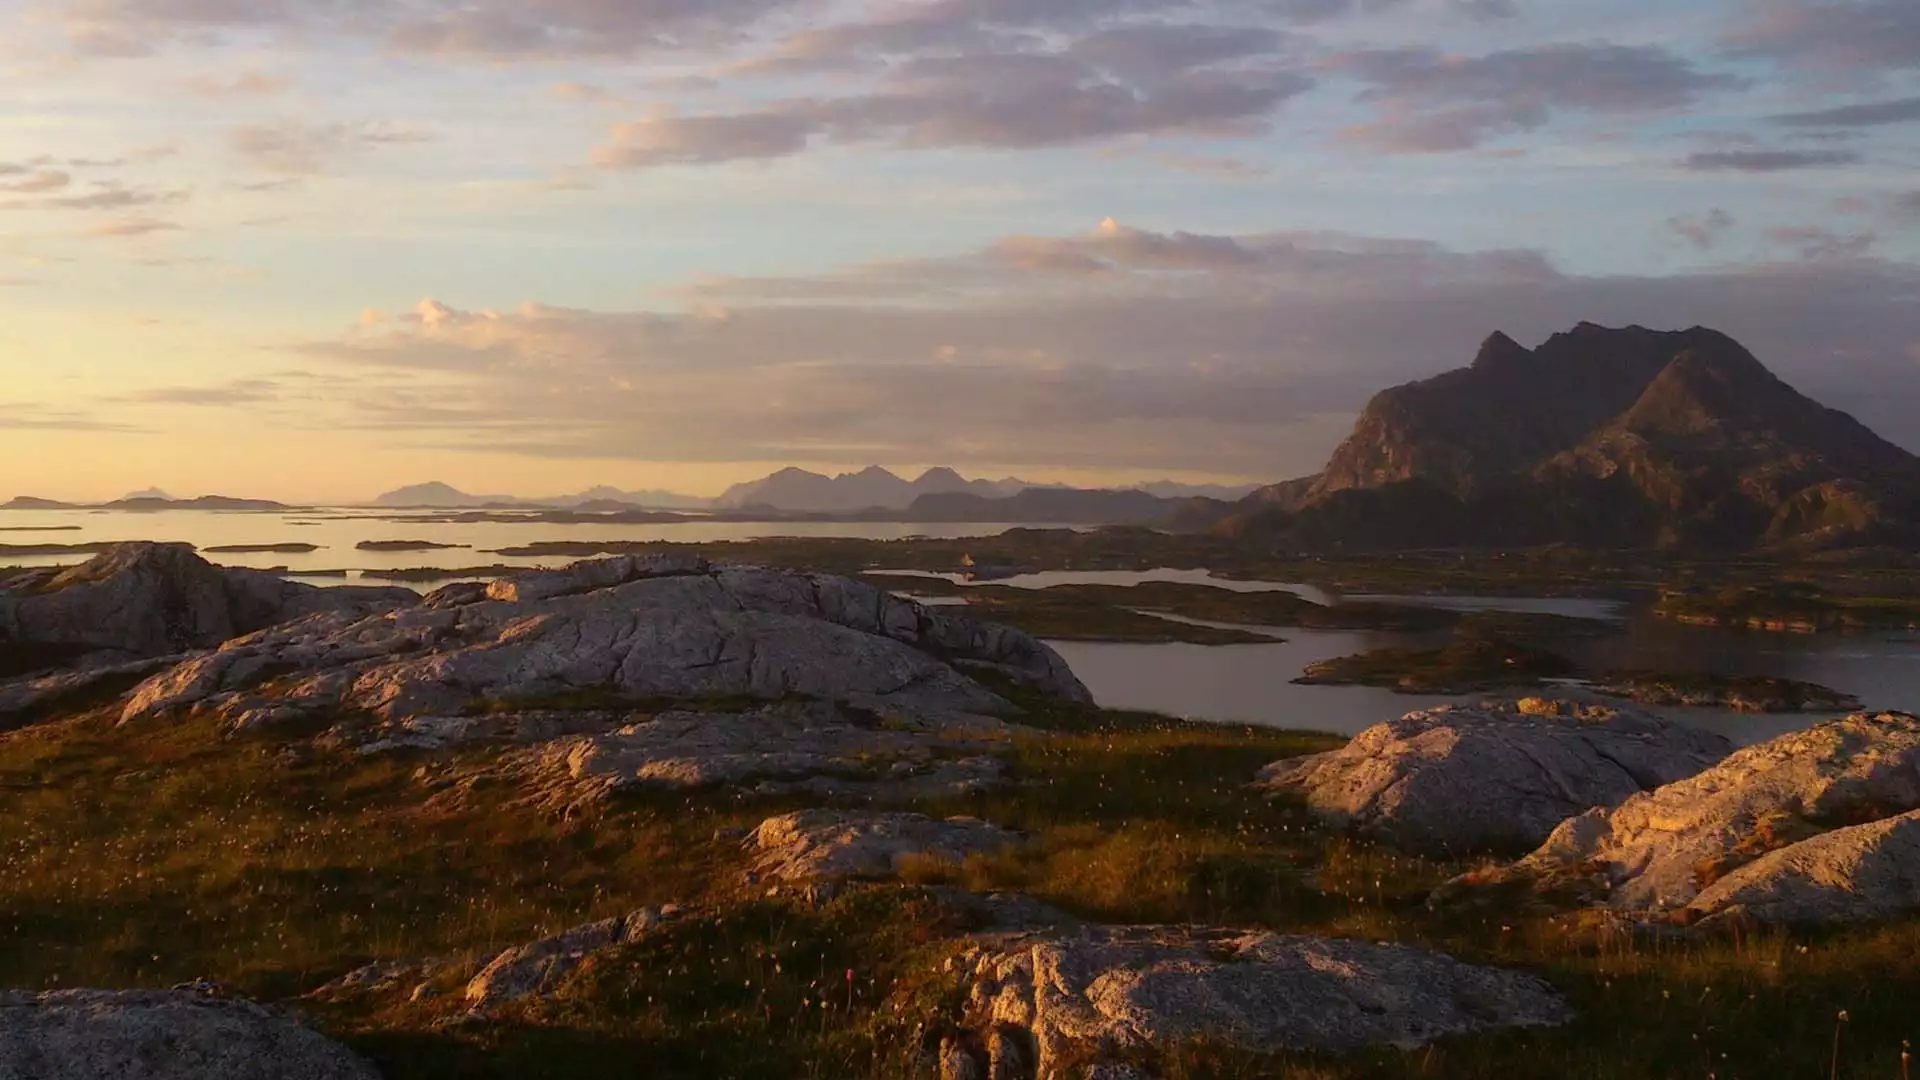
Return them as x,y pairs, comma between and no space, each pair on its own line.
145,502
1601,437
439,496
789,490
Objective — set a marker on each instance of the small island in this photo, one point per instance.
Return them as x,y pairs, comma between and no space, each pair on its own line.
408,545
1789,607
264,549
1467,665
1740,693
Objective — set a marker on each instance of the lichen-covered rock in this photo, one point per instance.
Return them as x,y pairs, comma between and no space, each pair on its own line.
539,968
794,747
830,844
663,629
21,696
162,1035
1862,873
1499,775
1129,988
1659,850
155,599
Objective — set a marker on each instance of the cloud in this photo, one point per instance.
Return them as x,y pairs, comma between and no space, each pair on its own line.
1702,232
1434,102
113,196
582,92
1816,244
496,30
246,86
130,227
1005,101
1871,114
235,392
28,416
1317,11
299,148
37,183
705,140
1839,35
1125,348
1765,161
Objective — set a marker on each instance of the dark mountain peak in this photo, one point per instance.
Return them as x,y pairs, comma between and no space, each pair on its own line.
875,472
940,475
1608,435
1500,351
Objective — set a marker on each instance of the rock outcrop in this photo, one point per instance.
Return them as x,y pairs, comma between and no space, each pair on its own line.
1500,775
156,599
816,748
1861,873
537,969
162,1035
637,627
1812,826
22,697
1118,989
828,844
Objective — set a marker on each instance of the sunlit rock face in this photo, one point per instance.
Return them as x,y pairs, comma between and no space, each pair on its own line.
634,627
155,599
1814,826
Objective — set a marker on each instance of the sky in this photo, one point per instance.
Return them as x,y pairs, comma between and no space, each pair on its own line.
316,249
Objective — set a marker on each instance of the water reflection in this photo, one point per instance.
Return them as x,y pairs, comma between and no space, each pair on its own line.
1047,579
472,544
1253,684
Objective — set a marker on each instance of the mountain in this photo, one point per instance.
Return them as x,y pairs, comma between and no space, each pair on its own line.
1513,407
28,502
1167,489
148,504
1043,506
149,495
1628,437
870,488
439,496
435,494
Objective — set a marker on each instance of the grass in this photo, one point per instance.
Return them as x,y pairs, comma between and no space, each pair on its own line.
152,855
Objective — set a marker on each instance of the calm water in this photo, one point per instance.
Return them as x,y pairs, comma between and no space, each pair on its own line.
336,532
1253,684
1049,578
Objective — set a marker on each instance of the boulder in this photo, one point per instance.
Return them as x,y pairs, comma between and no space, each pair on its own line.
813,747
668,632
1120,989
1862,873
21,697
162,1035
1765,830
155,599
1495,776
539,968
816,844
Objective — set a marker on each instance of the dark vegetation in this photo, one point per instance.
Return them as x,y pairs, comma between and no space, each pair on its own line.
1796,607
